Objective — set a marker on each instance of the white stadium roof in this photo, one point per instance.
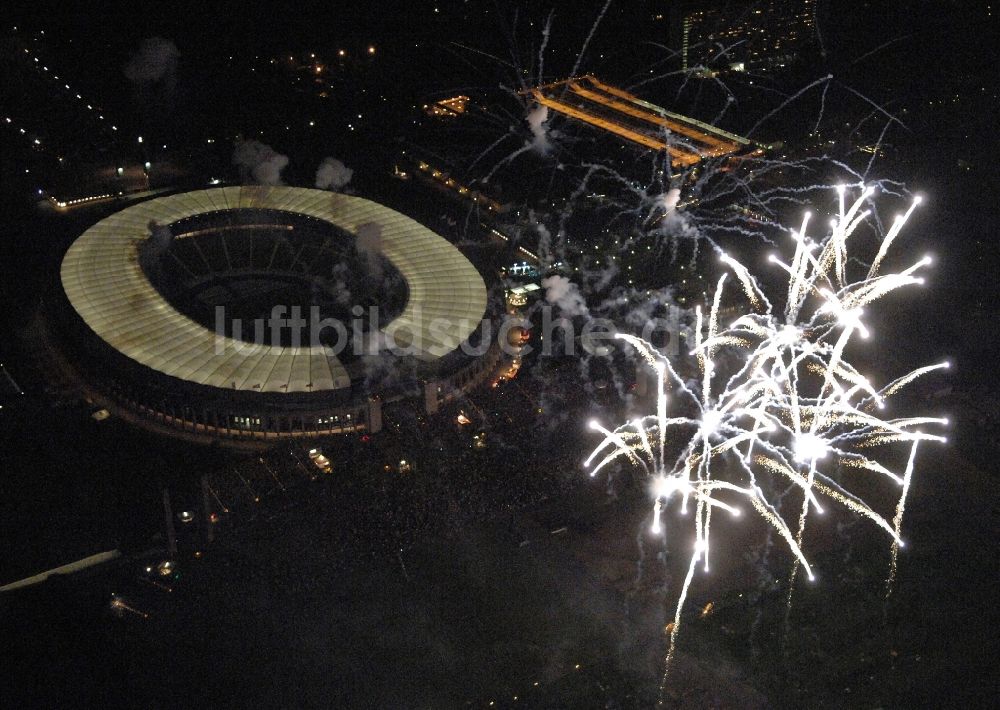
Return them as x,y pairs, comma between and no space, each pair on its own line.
106,285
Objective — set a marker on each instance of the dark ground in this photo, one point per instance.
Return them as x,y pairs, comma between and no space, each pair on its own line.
274,615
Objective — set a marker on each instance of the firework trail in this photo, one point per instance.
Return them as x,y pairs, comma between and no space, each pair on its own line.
793,408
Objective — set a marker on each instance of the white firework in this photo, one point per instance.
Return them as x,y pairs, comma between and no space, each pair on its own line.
792,406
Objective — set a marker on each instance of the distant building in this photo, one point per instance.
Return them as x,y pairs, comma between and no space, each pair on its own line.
723,34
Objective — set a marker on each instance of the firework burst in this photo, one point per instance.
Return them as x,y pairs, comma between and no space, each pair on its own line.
777,397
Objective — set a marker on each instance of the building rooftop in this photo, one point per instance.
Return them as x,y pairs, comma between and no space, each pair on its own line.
107,286
591,101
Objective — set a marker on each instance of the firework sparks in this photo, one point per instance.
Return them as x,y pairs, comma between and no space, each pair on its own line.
794,408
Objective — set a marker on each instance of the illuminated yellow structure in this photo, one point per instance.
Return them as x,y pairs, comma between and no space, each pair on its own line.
445,180
455,106
625,115
106,285
159,363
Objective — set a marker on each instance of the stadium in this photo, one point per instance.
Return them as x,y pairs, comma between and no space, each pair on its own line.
269,312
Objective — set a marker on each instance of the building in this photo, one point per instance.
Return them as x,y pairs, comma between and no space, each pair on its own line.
740,36
625,116
142,284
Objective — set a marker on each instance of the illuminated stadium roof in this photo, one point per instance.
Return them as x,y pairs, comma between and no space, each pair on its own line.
108,288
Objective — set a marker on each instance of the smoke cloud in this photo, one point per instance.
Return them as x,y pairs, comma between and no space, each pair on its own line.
152,249
668,200
536,118
369,243
160,237
562,292
259,162
156,61
332,174
544,239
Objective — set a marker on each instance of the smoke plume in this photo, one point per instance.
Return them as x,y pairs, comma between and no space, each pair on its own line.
332,174
537,118
259,162
562,292
156,61
369,243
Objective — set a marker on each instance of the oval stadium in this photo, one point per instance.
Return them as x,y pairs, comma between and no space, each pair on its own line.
265,312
